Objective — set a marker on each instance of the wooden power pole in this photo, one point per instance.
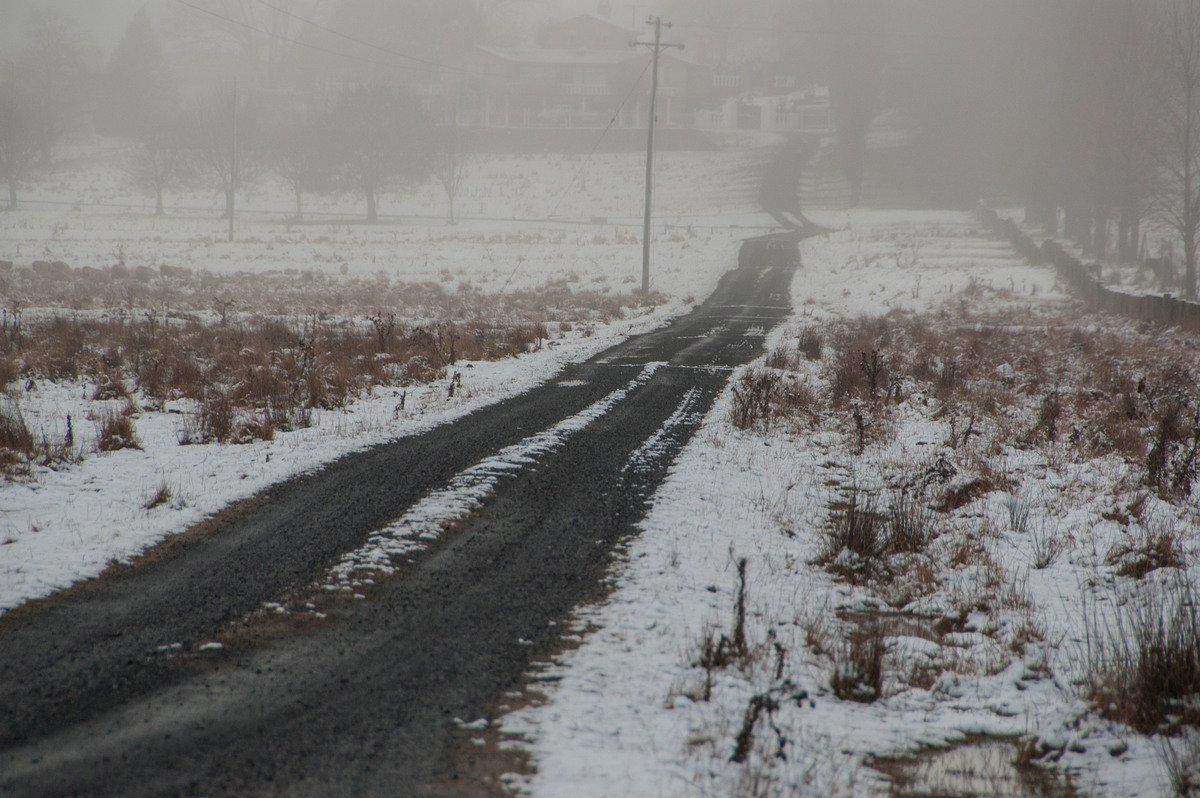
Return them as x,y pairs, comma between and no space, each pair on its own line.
657,47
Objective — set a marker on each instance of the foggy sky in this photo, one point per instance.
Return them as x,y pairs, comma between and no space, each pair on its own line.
106,20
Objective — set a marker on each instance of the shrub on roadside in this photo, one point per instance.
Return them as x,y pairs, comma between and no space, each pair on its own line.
16,440
1144,664
115,431
858,665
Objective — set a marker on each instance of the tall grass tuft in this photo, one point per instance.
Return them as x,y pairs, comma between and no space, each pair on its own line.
1144,658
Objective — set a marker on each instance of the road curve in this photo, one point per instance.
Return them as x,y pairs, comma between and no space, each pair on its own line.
97,697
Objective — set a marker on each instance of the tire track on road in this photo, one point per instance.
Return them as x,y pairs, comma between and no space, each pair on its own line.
364,703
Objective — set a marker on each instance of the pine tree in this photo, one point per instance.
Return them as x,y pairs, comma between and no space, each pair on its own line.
138,93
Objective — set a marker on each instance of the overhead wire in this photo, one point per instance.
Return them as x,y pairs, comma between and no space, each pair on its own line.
419,64
354,40
422,64
616,114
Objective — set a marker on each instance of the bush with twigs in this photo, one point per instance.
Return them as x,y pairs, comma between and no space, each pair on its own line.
115,431
1144,658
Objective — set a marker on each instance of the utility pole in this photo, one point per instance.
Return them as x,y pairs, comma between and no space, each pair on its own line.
233,159
657,48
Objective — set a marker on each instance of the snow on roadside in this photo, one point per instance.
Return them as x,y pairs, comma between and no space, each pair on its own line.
466,491
633,711
68,524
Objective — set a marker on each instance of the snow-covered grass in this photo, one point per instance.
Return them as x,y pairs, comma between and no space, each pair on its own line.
1024,566
75,507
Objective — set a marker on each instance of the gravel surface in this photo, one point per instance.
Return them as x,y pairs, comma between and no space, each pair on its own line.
112,687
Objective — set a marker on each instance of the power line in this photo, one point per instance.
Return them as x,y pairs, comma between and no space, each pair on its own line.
599,140
586,160
319,26
428,66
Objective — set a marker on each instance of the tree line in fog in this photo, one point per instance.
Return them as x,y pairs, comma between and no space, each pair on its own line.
1086,112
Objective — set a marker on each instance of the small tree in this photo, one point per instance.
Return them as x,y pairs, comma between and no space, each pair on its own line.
382,142
300,153
452,162
156,162
210,133
18,137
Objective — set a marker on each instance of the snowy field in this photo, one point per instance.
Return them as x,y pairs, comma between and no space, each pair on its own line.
940,666
65,523
820,671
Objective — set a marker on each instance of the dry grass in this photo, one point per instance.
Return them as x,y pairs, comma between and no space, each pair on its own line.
159,497
1075,391
115,431
761,395
226,298
860,540
256,366
20,450
1145,659
16,441
1147,547
858,665
1181,760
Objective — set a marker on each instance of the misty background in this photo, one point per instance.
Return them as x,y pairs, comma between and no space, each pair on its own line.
1086,113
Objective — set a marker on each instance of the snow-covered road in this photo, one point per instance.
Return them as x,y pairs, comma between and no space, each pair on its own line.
582,455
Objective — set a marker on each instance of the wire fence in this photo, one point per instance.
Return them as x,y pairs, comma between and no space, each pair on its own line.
1162,309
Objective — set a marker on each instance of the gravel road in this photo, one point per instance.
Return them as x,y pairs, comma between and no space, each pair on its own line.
104,688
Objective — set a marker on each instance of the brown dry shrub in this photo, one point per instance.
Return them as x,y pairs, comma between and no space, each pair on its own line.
10,371
16,440
848,379
783,358
115,431
1144,667
1173,463
810,343
110,388
858,665
753,395
1157,544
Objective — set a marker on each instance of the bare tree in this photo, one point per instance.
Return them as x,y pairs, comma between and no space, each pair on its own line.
428,29
452,161
382,141
18,137
156,161
300,152
709,24
137,92
210,134
1179,147
1137,92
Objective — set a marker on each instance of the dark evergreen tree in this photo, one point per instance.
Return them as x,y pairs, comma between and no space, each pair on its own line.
138,94
57,68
